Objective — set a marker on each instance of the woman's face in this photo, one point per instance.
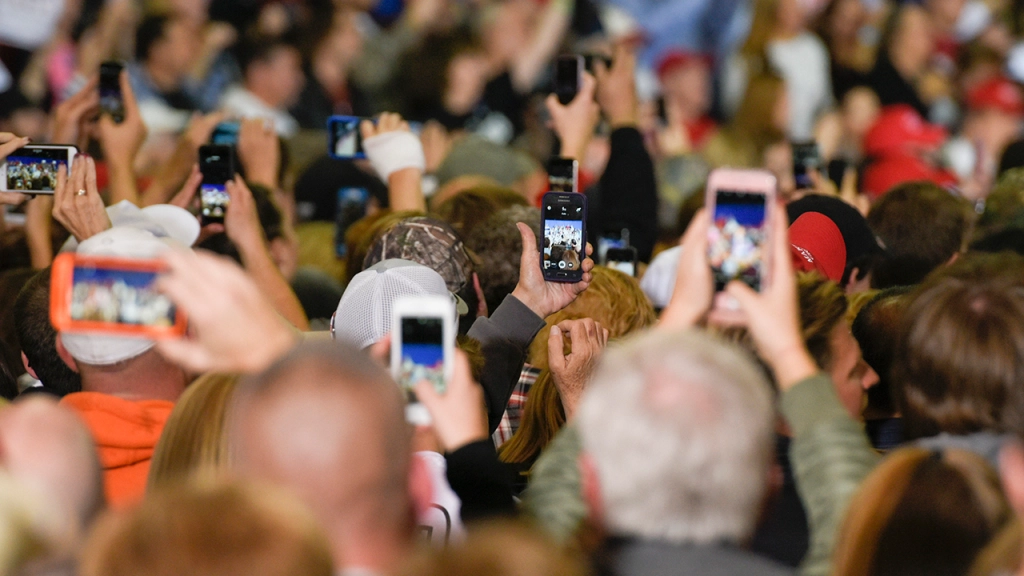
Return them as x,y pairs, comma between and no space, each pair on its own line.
790,17
846,19
850,374
914,41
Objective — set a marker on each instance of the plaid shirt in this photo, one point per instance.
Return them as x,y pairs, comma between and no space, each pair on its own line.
514,411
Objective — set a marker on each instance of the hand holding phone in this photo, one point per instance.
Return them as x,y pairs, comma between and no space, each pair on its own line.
111,98
422,344
622,259
740,203
563,220
218,167
456,415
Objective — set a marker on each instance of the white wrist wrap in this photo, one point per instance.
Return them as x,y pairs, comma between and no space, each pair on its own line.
394,151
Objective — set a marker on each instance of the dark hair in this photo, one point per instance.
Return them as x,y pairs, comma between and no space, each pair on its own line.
959,362
150,31
877,328
8,383
922,227
470,208
498,248
261,49
423,73
38,339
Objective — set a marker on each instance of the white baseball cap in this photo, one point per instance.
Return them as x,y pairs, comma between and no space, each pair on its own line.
160,220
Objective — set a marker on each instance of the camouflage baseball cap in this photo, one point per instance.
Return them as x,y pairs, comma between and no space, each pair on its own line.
427,241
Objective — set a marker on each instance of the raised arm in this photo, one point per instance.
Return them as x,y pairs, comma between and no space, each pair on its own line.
397,156
529,64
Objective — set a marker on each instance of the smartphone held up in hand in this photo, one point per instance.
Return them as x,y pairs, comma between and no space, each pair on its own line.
568,78
622,259
33,169
111,99
344,140
563,175
564,241
114,296
806,160
218,167
740,203
226,134
422,348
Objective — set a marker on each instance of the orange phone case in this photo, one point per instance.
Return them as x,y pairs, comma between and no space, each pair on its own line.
62,283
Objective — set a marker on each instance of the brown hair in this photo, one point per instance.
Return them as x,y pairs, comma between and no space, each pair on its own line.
470,208
823,306
922,226
614,300
752,130
362,234
960,357
193,440
489,550
762,26
921,512
216,530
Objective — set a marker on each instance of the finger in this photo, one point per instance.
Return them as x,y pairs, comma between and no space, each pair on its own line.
462,376
366,129
554,107
90,177
556,345
591,327
590,249
781,264
78,175
849,183
186,353
695,239
62,182
604,337
600,71
744,295
131,107
12,144
586,92
578,337
530,255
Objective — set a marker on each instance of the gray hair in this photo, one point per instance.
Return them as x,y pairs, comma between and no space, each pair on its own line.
679,426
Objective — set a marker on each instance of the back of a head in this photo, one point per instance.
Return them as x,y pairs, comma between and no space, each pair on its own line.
922,226
498,248
38,339
921,513
327,422
1004,206
877,328
149,32
193,442
679,428
960,355
822,307
210,530
486,551
470,208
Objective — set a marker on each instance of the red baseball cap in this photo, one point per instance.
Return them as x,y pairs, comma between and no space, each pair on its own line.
882,175
675,58
817,244
898,128
997,93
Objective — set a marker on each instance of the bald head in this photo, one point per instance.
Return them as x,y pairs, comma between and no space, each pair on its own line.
46,446
328,422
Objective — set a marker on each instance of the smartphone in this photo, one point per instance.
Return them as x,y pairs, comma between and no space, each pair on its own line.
568,77
111,99
33,169
622,259
564,221
225,134
351,208
218,166
610,240
740,203
563,175
806,159
344,141
113,296
422,345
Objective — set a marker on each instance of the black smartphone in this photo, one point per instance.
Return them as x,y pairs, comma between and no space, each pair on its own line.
351,208
806,159
226,134
344,141
217,164
622,259
610,240
568,77
564,223
111,99
563,175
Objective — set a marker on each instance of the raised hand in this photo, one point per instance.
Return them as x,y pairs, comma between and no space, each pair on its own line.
543,297
258,151
76,200
574,123
572,371
694,287
9,143
458,415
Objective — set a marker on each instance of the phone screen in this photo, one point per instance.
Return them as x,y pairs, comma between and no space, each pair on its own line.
737,237
113,296
34,169
225,134
563,175
343,136
567,77
611,241
564,237
806,159
111,100
422,352
622,259
216,164
351,208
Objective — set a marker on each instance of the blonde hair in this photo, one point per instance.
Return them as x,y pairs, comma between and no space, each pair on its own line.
911,497
614,300
209,529
193,441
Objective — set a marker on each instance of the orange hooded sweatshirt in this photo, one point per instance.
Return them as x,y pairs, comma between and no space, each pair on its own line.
125,432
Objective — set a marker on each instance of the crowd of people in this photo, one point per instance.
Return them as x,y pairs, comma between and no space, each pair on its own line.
852,405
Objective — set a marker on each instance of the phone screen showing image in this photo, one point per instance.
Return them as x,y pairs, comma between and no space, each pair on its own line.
344,139
113,296
225,134
217,166
736,238
806,159
111,100
422,353
214,200
564,241
34,169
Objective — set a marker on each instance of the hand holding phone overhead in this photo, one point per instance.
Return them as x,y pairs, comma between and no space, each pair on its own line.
542,297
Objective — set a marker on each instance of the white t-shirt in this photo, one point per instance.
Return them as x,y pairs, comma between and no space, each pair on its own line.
239,102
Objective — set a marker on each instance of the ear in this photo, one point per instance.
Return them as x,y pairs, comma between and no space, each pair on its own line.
421,487
1011,470
590,488
24,362
481,307
65,355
